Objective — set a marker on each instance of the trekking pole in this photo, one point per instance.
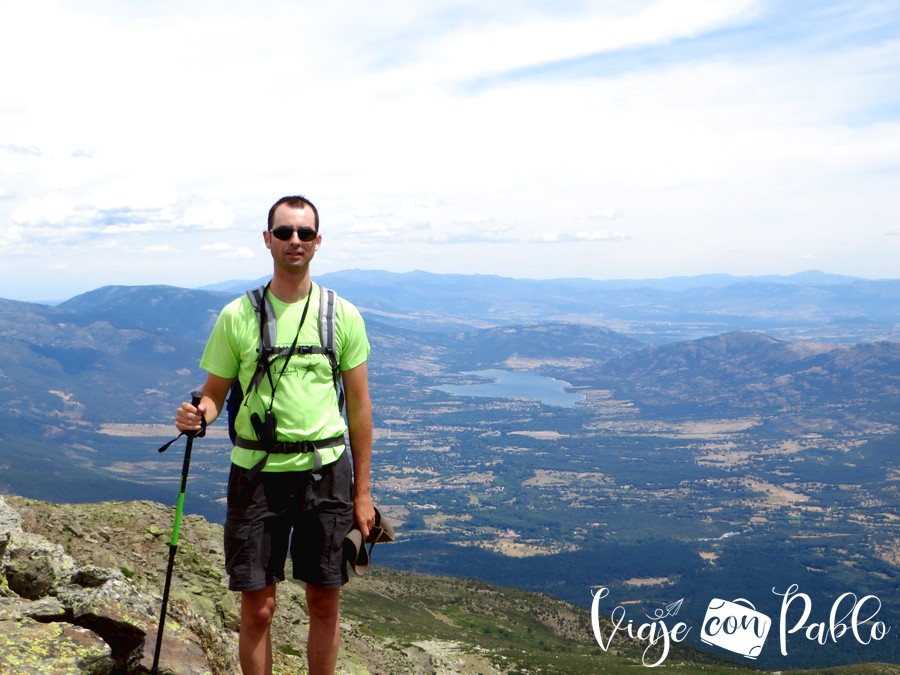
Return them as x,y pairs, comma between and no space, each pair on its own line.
173,542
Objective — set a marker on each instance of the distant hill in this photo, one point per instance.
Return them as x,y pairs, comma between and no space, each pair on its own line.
130,353
112,345
80,360
531,345
679,283
157,309
806,305
126,355
752,372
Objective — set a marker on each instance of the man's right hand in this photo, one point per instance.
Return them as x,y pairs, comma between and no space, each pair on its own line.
189,417
215,390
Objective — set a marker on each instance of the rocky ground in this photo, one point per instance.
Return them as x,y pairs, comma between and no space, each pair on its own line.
81,586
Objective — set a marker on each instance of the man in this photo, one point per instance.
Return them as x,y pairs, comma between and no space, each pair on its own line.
310,493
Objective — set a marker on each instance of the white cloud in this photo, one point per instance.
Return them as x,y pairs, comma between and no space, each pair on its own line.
212,216
130,228
161,249
666,136
371,211
545,37
136,192
226,251
472,219
607,214
50,209
598,235
21,150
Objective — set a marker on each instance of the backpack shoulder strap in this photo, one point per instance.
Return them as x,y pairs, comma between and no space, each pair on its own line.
262,305
327,306
265,315
327,303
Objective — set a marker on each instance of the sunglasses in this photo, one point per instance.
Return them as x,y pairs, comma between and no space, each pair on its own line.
284,233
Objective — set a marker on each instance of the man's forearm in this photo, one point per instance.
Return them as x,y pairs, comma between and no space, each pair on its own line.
360,427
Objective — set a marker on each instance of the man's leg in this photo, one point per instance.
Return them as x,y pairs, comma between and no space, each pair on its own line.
323,605
255,644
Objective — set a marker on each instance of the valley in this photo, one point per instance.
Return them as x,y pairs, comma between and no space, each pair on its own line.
727,465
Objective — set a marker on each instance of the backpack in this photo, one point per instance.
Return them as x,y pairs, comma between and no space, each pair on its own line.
268,353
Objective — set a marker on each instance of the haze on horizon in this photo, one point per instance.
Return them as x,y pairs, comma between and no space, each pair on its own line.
143,144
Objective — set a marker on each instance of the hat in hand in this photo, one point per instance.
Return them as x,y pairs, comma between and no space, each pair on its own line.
356,554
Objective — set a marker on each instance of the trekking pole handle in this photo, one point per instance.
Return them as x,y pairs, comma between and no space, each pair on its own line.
196,397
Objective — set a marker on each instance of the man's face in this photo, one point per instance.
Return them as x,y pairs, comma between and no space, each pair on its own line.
292,254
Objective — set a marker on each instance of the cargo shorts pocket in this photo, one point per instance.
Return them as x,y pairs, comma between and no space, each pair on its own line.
239,546
247,539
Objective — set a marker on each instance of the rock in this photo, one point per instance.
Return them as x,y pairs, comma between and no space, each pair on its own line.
27,646
57,616
44,610
33,567
75,529
91,576
180,655
72,604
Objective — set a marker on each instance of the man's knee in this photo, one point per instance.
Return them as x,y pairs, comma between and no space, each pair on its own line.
323,603
258,607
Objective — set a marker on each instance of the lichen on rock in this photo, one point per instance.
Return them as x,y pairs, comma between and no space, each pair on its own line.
57,615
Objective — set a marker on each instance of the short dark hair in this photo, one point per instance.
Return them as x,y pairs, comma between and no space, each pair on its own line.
295,202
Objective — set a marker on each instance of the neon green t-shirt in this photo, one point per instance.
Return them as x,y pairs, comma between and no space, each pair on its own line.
305,403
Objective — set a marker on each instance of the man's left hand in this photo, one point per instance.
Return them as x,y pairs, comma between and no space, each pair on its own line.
364,513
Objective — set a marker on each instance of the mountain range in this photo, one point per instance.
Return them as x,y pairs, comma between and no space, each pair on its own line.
719,421
824,306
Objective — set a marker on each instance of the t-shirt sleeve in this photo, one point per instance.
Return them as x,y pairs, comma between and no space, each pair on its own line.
350,334
222,355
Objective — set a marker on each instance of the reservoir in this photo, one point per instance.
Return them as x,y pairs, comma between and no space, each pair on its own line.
510,384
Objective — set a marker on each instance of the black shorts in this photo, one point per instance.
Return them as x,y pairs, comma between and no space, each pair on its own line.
309,513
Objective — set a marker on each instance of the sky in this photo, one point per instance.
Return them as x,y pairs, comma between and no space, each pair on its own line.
143,143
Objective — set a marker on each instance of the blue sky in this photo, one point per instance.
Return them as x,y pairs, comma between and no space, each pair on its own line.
143,143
